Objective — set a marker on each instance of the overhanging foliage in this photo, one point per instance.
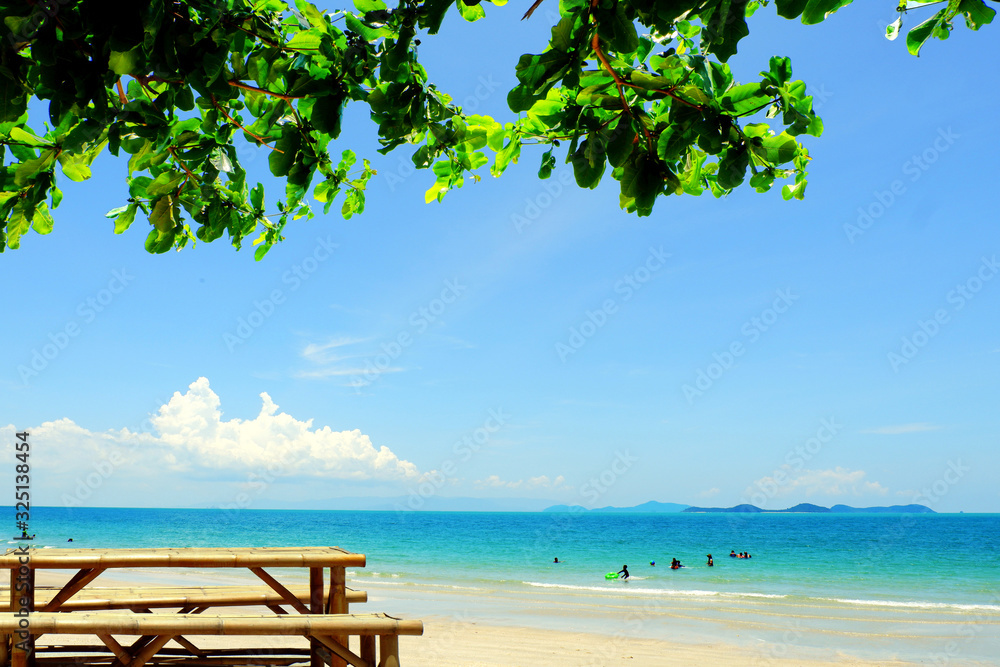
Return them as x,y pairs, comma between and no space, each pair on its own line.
183,88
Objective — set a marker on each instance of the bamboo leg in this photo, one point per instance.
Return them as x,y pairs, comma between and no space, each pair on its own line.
116,648
21,656
5,640
149,651
280,590
368,648
276,609
316,607
338,597
342,653
388,646
79,580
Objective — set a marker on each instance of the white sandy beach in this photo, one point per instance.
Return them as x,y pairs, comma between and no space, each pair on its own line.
465,640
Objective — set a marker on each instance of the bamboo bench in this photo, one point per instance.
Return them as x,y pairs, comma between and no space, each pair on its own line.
188,599
155,630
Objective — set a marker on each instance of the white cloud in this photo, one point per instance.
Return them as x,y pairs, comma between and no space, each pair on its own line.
339,372
189,436
325,353
540,482
714,491
328,360
916,427
835,482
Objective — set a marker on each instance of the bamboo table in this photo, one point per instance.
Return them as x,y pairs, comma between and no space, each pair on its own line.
91,563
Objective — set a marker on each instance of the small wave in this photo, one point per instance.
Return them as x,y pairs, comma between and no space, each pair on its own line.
427,585
630,589
917,605
769,596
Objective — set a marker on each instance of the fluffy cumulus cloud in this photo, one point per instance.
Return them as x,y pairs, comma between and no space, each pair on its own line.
805,484
540,482
191,425
189,436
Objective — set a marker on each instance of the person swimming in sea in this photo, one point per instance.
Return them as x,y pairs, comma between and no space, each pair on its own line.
711,563
675,564
732,553
556,559
623,573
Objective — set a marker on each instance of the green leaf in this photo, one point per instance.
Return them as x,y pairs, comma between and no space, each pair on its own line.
257,198
892,30
776,150
620,142
977,14
21,136
625,39
588,173
916,37
29,169
816,11
747,98
471,12
42,221
548,164
13,100
285,152
125,217
165,213
165,183
790,9
75,170
733,167
125,62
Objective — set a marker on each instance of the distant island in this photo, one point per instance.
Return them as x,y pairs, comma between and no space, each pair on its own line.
652,507
809,507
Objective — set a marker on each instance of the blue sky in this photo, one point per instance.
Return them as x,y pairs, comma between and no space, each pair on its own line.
526,339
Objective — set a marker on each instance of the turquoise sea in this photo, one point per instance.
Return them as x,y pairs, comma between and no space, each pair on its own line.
914,586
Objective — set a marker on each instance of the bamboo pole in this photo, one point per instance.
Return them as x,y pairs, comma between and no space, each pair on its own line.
21,657
79,580
115,623
338,599
388,648
115,647
6,639
280,589
316,607
77,559
342,652
149,651
368,648
93,599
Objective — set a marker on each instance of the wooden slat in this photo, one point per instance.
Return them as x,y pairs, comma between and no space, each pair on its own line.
188,557
115,623
93,599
